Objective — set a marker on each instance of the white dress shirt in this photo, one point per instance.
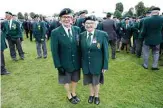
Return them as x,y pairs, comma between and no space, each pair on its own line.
91,35
66,30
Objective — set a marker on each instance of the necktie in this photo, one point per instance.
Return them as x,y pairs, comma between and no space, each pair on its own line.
89,39
69,34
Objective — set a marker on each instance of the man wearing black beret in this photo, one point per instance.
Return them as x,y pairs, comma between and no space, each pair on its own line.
39,31
13,34
94,53
66,55
140,39
151,32
80,20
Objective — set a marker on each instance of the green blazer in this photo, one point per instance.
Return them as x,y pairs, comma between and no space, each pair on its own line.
151,30
13,32
39,30
94,58
65,53
3,42
127,33
135,30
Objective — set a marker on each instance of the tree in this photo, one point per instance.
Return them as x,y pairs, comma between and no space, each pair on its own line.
119,6
117,14
55,15
131,12
140,9
32,14
20,15
26,15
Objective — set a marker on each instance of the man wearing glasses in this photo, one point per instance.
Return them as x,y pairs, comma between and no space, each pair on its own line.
94,50
65,53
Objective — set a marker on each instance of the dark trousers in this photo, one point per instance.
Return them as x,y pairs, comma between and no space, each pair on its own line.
113,47
26,32
13,44
30,31
139,45
3,69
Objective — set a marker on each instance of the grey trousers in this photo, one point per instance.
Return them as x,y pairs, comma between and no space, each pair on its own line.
155,53
13,44
38,47
113,47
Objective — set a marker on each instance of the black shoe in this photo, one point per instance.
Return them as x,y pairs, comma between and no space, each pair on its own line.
76,98
97,100
144,66
72,100
45,57
5,73
38,57
14,59
90,99
21,58
154,68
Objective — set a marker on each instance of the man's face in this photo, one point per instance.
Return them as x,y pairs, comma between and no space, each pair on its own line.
8,16
90,25
67,20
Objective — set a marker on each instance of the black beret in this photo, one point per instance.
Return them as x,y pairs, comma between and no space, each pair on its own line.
127,18
156,8
36,16
65,11
82,12
148,12
8,13
13,15
92,17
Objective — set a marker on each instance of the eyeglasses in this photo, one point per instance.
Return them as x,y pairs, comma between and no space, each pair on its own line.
89,23
68,17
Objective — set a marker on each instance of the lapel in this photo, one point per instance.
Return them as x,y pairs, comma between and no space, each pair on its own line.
64,34
73,33
94,38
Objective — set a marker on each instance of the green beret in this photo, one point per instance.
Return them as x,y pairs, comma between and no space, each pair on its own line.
92,17
65,11
36,16
8,13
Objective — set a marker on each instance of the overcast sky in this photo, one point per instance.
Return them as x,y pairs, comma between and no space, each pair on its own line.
48,7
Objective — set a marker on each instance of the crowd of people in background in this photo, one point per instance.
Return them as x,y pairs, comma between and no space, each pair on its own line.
135,35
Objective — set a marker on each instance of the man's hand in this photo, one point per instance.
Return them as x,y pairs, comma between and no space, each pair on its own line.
42,40
61,71
104,70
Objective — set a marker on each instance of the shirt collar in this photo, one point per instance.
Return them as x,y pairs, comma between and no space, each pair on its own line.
91,32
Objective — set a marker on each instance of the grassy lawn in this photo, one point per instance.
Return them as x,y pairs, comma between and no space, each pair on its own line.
33,84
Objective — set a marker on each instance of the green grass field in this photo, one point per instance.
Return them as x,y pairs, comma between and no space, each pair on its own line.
33,83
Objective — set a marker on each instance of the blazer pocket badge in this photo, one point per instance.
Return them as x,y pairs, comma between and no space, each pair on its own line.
98,45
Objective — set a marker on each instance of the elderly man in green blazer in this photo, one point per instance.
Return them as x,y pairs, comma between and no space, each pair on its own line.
13,34
39,32
151,32
94,50
66,55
